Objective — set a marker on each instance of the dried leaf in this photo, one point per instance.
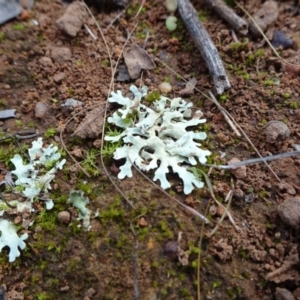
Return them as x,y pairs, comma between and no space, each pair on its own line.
91,126
137,59
189,88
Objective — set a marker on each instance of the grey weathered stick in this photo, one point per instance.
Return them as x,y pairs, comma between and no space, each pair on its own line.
226,13
205,45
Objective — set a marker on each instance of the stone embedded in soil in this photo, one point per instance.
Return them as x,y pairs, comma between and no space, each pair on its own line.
40,110
240,172
170,249
165,87
289,212
287,188
276,131
59,77
64,217
45,61
61,54
283,294
73,19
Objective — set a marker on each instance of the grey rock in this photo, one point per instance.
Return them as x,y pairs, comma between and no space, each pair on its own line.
289,212
9,9
283,294
73,18
60,54
276,131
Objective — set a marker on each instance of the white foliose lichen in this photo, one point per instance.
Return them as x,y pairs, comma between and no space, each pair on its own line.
33,179
10,238
29,175
160,139
77,199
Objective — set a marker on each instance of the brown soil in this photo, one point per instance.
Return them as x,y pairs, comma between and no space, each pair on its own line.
132,253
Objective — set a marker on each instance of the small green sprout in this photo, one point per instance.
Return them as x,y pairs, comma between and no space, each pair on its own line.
71,91
18,26
202,15
286,95
50,132
152,97
2,36
18,123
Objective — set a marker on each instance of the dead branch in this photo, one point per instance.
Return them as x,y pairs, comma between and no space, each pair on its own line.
205,45
226,13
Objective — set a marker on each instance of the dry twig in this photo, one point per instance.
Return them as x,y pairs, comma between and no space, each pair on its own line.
205,45
228,14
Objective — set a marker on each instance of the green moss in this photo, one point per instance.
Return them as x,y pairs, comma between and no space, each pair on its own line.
71,91
50,132
251,59
18,26
263,194
105,63
223,98
286,95
152,97
293,105
203,15
243,253
18,123
47,220
2,36
216,284
91,159
85,187
133,9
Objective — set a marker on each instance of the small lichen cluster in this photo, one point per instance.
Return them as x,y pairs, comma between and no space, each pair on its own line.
30,176
33,178
160,138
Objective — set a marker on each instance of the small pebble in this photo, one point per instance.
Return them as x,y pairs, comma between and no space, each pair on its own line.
240,172
40,110
17,220
212,210
287,188
73,19
276,131
61,54
165,87
38,229
64,217
283,294
59,77
7,87
170,249
289,212
45,61
142,222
